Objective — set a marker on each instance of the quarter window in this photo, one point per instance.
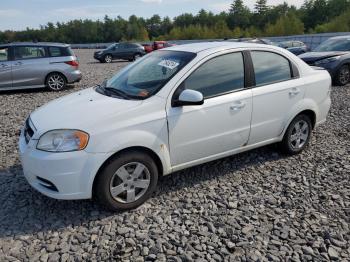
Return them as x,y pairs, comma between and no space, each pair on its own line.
218,76
4,54
27,52
270,67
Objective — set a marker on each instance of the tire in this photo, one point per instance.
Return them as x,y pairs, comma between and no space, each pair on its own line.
56,82
295,141
136,56
108,58
343,76
118,180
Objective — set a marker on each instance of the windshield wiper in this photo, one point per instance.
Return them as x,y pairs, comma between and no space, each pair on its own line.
117,92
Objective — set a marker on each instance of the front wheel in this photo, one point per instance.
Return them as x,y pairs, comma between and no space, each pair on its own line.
56,82
127,181
108,59
343,76
297,135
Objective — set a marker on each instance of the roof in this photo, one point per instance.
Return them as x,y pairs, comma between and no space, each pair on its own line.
35,44
215,46
341,37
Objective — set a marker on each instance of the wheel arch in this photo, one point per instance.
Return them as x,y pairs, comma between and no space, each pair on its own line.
142,149
55,72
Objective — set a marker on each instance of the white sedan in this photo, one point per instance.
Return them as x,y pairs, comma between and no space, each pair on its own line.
172,109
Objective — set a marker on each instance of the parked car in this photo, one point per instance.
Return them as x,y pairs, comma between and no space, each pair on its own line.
296,47
37,65
333,55
156,45
126,51
173,109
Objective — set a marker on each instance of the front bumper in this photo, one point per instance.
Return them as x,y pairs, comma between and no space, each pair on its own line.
66,175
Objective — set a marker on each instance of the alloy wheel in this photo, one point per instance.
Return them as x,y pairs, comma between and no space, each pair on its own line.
130,182
344,75
300,134
108,58
56,82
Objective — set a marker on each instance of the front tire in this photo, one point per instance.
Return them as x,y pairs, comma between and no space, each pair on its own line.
108,59
55,82
127,181
343,76
297,135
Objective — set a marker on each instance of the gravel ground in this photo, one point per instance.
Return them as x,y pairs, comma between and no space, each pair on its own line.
256,206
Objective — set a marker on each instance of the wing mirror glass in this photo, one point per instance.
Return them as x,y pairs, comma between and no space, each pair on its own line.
189,97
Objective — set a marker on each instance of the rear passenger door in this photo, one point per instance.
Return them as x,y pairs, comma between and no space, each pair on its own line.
5,68
277,89
30,66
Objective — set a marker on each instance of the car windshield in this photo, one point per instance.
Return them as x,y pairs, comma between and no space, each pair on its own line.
148,75
111,46
334,45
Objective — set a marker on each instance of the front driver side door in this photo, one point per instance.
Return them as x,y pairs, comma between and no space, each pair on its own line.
222,123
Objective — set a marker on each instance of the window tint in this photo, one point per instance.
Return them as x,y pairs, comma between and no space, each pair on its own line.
27,52
270,67
218,76
56,51
3,54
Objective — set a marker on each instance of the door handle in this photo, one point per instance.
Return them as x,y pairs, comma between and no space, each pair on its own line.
237,106
18,64
294,91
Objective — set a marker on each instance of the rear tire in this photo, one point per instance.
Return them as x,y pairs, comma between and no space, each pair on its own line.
127,181
343,76
298,135
55,82
137,56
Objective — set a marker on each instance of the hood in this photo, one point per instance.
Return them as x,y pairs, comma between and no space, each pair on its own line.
81,110
311,57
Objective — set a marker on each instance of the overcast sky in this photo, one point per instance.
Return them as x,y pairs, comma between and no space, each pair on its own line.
19,14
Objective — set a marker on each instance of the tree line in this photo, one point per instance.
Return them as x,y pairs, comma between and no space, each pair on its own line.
314,16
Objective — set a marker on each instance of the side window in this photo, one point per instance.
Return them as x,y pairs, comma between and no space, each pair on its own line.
4,52
270,67
217,76
28,52
55,51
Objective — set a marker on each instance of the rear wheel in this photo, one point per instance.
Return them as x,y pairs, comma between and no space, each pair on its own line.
56,82
127,181
137,56
343,76
108,59
297,135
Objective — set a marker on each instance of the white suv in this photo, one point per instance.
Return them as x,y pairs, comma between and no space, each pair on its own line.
172,109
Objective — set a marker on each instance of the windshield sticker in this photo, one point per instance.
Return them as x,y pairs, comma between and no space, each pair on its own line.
169,64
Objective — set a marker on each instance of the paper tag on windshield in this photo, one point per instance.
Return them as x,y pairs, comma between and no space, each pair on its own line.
168,64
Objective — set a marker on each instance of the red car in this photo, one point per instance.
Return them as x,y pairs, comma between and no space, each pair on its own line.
156,45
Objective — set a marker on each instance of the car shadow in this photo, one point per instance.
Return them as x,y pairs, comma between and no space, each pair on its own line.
26,211
113,62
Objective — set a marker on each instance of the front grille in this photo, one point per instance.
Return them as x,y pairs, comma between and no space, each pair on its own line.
28,131
46,183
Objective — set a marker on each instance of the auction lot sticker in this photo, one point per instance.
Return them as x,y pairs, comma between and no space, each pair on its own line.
168,64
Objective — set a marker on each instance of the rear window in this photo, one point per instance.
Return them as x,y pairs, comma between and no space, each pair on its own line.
56,51
29,52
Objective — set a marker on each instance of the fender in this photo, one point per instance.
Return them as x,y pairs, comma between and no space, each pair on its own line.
302,105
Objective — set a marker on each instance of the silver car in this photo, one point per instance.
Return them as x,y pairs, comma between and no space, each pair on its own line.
37,65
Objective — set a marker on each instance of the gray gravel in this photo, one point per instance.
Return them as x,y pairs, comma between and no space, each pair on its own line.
256,206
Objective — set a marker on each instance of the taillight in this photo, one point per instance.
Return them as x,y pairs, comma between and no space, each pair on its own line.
73,63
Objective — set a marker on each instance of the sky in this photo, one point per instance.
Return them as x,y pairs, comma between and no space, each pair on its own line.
19,14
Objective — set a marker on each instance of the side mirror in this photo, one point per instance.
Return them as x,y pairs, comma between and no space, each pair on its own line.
189,97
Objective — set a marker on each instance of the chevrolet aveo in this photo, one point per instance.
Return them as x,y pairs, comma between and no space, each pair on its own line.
172,109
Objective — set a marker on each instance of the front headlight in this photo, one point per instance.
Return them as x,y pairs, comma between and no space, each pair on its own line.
63,140
327,60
